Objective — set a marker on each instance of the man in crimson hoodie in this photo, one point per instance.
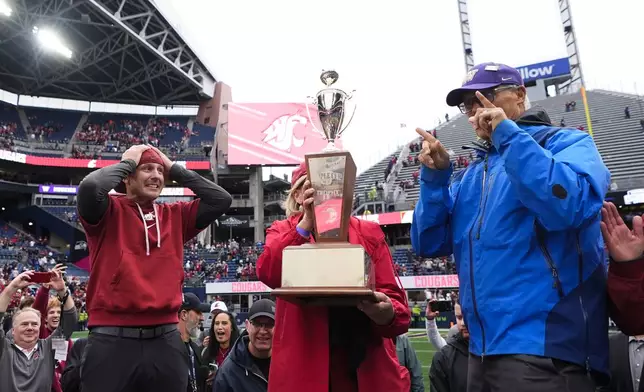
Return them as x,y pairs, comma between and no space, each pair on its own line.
626,270
136,256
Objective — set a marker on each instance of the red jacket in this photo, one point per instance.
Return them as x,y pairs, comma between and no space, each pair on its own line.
127,286
300,359
626,293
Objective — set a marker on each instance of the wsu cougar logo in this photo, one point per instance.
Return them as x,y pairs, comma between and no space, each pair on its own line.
333,215
280,133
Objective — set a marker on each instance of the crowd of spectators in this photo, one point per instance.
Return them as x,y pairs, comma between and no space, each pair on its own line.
414,265
41,132
222,261
7,134
129,132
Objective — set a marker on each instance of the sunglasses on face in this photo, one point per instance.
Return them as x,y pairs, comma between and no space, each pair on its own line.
470,99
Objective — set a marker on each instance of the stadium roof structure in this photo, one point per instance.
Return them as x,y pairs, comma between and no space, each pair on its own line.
123,51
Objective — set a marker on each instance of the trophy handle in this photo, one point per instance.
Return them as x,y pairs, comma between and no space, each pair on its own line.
308,114
348,122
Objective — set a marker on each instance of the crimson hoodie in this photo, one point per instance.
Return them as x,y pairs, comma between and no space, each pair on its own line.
626,293
136,258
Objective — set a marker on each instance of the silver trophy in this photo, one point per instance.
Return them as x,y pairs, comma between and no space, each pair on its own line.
332,106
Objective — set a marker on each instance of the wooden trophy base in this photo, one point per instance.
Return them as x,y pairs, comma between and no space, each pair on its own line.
324,296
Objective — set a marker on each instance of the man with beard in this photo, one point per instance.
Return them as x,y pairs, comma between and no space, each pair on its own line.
190,319
448,372
247,366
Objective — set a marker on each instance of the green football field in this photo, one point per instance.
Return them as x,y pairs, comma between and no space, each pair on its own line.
424,350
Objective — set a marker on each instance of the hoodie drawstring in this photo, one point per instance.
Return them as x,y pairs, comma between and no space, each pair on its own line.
145,226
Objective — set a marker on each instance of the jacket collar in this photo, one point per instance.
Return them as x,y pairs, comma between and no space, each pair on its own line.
459,343
532,117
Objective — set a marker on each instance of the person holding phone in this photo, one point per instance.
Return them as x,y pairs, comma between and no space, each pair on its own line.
26,361
433,334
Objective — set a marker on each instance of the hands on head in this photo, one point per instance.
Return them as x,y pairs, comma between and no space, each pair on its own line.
623,243
134,153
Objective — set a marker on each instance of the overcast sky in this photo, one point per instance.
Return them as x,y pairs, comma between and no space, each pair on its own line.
402,58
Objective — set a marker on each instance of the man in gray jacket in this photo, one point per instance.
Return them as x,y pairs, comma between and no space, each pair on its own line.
26,361
407,358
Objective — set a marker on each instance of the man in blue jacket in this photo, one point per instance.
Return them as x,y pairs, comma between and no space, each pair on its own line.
523,224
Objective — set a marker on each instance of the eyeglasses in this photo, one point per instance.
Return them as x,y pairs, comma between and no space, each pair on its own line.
267,325
470,99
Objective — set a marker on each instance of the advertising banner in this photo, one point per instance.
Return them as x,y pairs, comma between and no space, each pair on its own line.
82,163
272,133
408,282
545,70
389,218
73,189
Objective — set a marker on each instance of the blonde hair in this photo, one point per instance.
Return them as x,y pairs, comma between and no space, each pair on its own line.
290,205
25,310
54,302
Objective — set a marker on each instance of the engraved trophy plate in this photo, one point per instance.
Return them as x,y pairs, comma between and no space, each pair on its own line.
332,271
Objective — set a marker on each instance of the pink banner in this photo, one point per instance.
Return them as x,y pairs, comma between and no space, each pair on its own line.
272,133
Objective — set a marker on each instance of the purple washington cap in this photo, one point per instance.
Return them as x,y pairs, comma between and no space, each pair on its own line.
484,76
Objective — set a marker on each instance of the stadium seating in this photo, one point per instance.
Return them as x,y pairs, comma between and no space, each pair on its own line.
9,115
54,125
203,134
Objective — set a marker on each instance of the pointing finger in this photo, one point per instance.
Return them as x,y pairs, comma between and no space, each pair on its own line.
425,135
484,101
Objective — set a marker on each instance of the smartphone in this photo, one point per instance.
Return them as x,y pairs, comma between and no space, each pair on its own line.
441,306
41,277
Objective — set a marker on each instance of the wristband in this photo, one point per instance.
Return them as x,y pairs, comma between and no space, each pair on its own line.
302,232
64,297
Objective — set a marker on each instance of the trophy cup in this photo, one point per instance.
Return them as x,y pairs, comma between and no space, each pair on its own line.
331,272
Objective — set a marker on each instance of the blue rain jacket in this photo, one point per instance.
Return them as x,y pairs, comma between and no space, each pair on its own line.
523,224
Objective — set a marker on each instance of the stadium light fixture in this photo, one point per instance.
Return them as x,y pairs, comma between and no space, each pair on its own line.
50,41
5,9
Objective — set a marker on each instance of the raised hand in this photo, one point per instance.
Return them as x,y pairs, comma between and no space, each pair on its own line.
61,270
487,118
134,153
167,163
433,154
57,283
428,312
21,281
623,244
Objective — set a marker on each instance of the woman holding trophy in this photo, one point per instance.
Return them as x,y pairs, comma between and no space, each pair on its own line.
334,348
